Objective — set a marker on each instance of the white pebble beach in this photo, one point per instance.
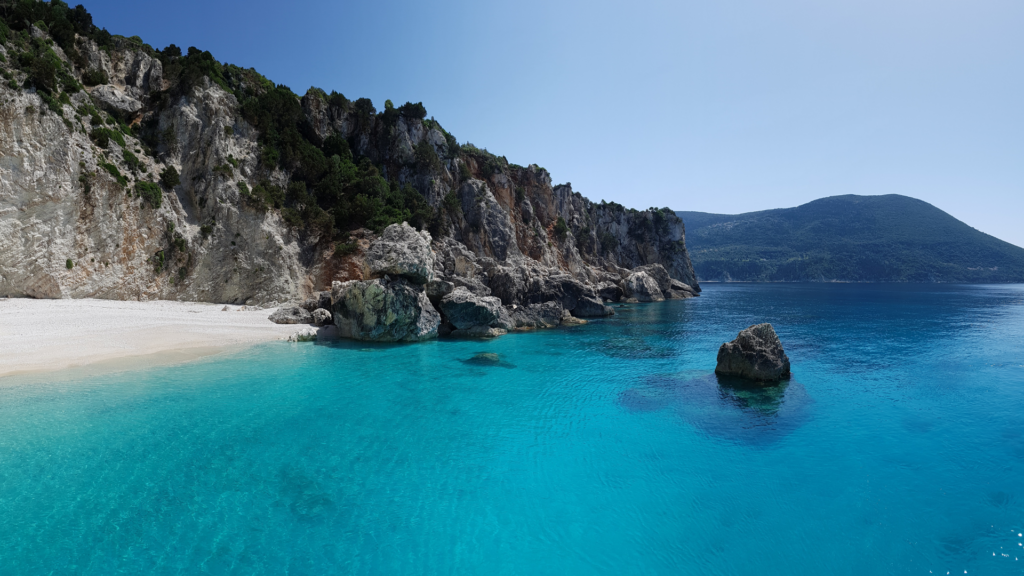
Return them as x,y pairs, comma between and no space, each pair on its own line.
42,335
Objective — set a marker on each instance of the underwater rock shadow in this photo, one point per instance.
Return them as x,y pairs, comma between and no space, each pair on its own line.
724,407
488,359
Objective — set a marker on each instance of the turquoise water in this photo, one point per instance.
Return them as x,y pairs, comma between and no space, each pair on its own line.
898,448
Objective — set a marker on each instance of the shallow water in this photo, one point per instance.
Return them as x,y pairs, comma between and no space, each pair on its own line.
611,448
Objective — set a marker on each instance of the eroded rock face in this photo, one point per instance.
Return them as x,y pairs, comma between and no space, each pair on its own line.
546,315
755,354
404,252
643,287
382,311
293,315
465,311
116,101
591,308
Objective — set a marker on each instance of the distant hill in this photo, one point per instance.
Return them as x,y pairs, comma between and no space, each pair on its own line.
889,238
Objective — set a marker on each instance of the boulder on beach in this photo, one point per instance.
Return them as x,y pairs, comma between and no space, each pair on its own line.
322,317
756,354
291,315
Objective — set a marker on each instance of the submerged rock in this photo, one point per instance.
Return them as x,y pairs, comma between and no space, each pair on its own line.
383,311
487,359
402,251
293,315
570,320
755,354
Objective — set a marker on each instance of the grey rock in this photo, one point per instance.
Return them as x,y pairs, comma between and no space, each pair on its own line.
570,320
402,251
322,317
545,315
465,310
643,287
658,272
591,308
383,311
438,289
293,315
755,354
609,291
114,100
479,332
681,290
303,335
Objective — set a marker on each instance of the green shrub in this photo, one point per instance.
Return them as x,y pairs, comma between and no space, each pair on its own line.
149,192
414,111
229,131
520,194
131,160
608,241
206,230
94,77
158,261
464,171
69,264
169,177
426,157
561,229
345,248
86,185
223,170
232,161
115,173
103,136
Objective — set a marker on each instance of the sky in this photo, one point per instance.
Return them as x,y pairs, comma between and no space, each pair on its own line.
727,106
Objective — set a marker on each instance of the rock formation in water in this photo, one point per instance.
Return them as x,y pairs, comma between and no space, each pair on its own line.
134,173
755,354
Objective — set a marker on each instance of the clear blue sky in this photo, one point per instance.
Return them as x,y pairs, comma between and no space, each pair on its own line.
723,106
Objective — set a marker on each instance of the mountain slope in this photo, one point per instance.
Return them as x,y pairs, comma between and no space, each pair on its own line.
888,238
128,172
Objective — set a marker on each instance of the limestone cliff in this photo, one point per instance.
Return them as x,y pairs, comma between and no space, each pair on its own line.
84,211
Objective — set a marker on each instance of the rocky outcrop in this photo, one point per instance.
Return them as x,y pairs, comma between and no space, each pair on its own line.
472,315
322,317
755,354
293,315
642,287
591,308
383,311
546,315
404,252
73,224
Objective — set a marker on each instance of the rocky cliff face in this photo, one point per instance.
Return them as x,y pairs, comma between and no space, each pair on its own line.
79,219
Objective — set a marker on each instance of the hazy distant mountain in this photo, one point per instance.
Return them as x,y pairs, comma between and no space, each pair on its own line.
889,238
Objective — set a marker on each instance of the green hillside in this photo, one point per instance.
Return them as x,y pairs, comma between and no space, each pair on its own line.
889,238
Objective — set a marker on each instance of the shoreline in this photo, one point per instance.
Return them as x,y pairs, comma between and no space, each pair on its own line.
40,336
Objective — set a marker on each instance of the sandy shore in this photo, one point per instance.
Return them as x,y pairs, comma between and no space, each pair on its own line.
38,335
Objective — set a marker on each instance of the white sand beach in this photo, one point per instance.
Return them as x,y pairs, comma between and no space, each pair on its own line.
38,335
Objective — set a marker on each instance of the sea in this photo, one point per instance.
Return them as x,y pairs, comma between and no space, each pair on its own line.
897,447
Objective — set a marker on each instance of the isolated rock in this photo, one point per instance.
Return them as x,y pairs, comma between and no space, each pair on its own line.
546,315
591,308
114,100
404,252
293,315
643,287
465,310
304,335
383,311
755,354
322,317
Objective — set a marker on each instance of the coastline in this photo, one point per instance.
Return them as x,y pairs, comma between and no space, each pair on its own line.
48,335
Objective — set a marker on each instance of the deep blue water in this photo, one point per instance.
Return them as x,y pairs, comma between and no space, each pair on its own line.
897,448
